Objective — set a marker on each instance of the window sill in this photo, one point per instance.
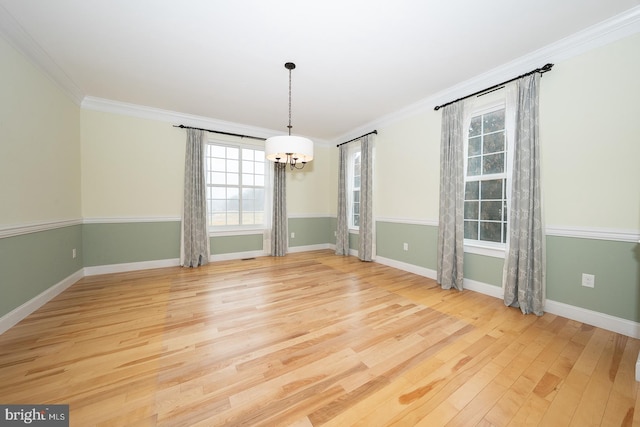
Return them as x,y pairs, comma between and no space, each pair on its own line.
486,250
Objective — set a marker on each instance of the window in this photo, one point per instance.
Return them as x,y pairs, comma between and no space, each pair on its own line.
353,185
235,177
485,195
355,190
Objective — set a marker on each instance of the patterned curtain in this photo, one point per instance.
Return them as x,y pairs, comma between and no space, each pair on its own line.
365,247
194,242
279,232
524,274
451,213
342,231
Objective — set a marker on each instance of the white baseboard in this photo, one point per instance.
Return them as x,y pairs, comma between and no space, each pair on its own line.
309,248
237,255
130,266
16,315
420,271
594,318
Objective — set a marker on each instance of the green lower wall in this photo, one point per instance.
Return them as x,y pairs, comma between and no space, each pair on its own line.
422,239
233,244
311,231
32,263
616,266
120,243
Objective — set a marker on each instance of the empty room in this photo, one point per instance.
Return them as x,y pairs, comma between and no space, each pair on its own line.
281,213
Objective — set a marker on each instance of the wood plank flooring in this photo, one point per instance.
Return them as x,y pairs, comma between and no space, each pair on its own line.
306,340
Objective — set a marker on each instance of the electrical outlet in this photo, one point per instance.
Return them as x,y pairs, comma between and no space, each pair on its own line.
293,235
588,280
73,253
405,246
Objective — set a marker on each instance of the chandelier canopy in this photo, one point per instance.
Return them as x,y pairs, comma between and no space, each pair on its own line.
283,149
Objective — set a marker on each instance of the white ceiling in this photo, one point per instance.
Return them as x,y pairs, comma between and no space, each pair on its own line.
357,60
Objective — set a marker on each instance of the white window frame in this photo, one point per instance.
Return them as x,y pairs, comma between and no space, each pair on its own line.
240,229
481,247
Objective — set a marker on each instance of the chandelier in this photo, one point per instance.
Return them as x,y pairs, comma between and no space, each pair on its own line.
283,149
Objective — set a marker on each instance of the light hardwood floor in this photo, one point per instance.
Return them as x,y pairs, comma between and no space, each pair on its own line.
310,339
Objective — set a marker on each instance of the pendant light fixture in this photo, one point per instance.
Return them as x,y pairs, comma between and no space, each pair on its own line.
294,150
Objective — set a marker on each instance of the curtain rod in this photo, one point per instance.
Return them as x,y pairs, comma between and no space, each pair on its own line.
351,140
547,67
220,132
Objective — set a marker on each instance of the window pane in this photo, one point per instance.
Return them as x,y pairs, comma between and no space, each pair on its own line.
217,178
233,218
233,166
217,165
493,143
217,193
492,189
247,205
247,179
491,231
218,219
248,193
475,146
233,193
233,153
493,163
216,150
259,168
259,195
476,126
356,220
473,166
491,211
471,230
470,210
247,167
233,179
233,205
493,121
218,206
259,181
356,196
248,218
247,154
471,191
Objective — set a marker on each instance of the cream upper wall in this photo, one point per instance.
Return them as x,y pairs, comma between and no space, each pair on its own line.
590,133
407,168
309,190
131,167
590,138
39,145
134,168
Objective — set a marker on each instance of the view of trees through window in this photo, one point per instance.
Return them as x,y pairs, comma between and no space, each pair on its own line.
485,196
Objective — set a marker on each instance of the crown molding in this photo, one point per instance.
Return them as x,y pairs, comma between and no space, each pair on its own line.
17,37
175,117
616,28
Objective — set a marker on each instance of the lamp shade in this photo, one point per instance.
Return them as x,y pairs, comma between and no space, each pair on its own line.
289,149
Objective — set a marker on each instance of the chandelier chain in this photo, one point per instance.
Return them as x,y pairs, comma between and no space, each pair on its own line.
289,103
